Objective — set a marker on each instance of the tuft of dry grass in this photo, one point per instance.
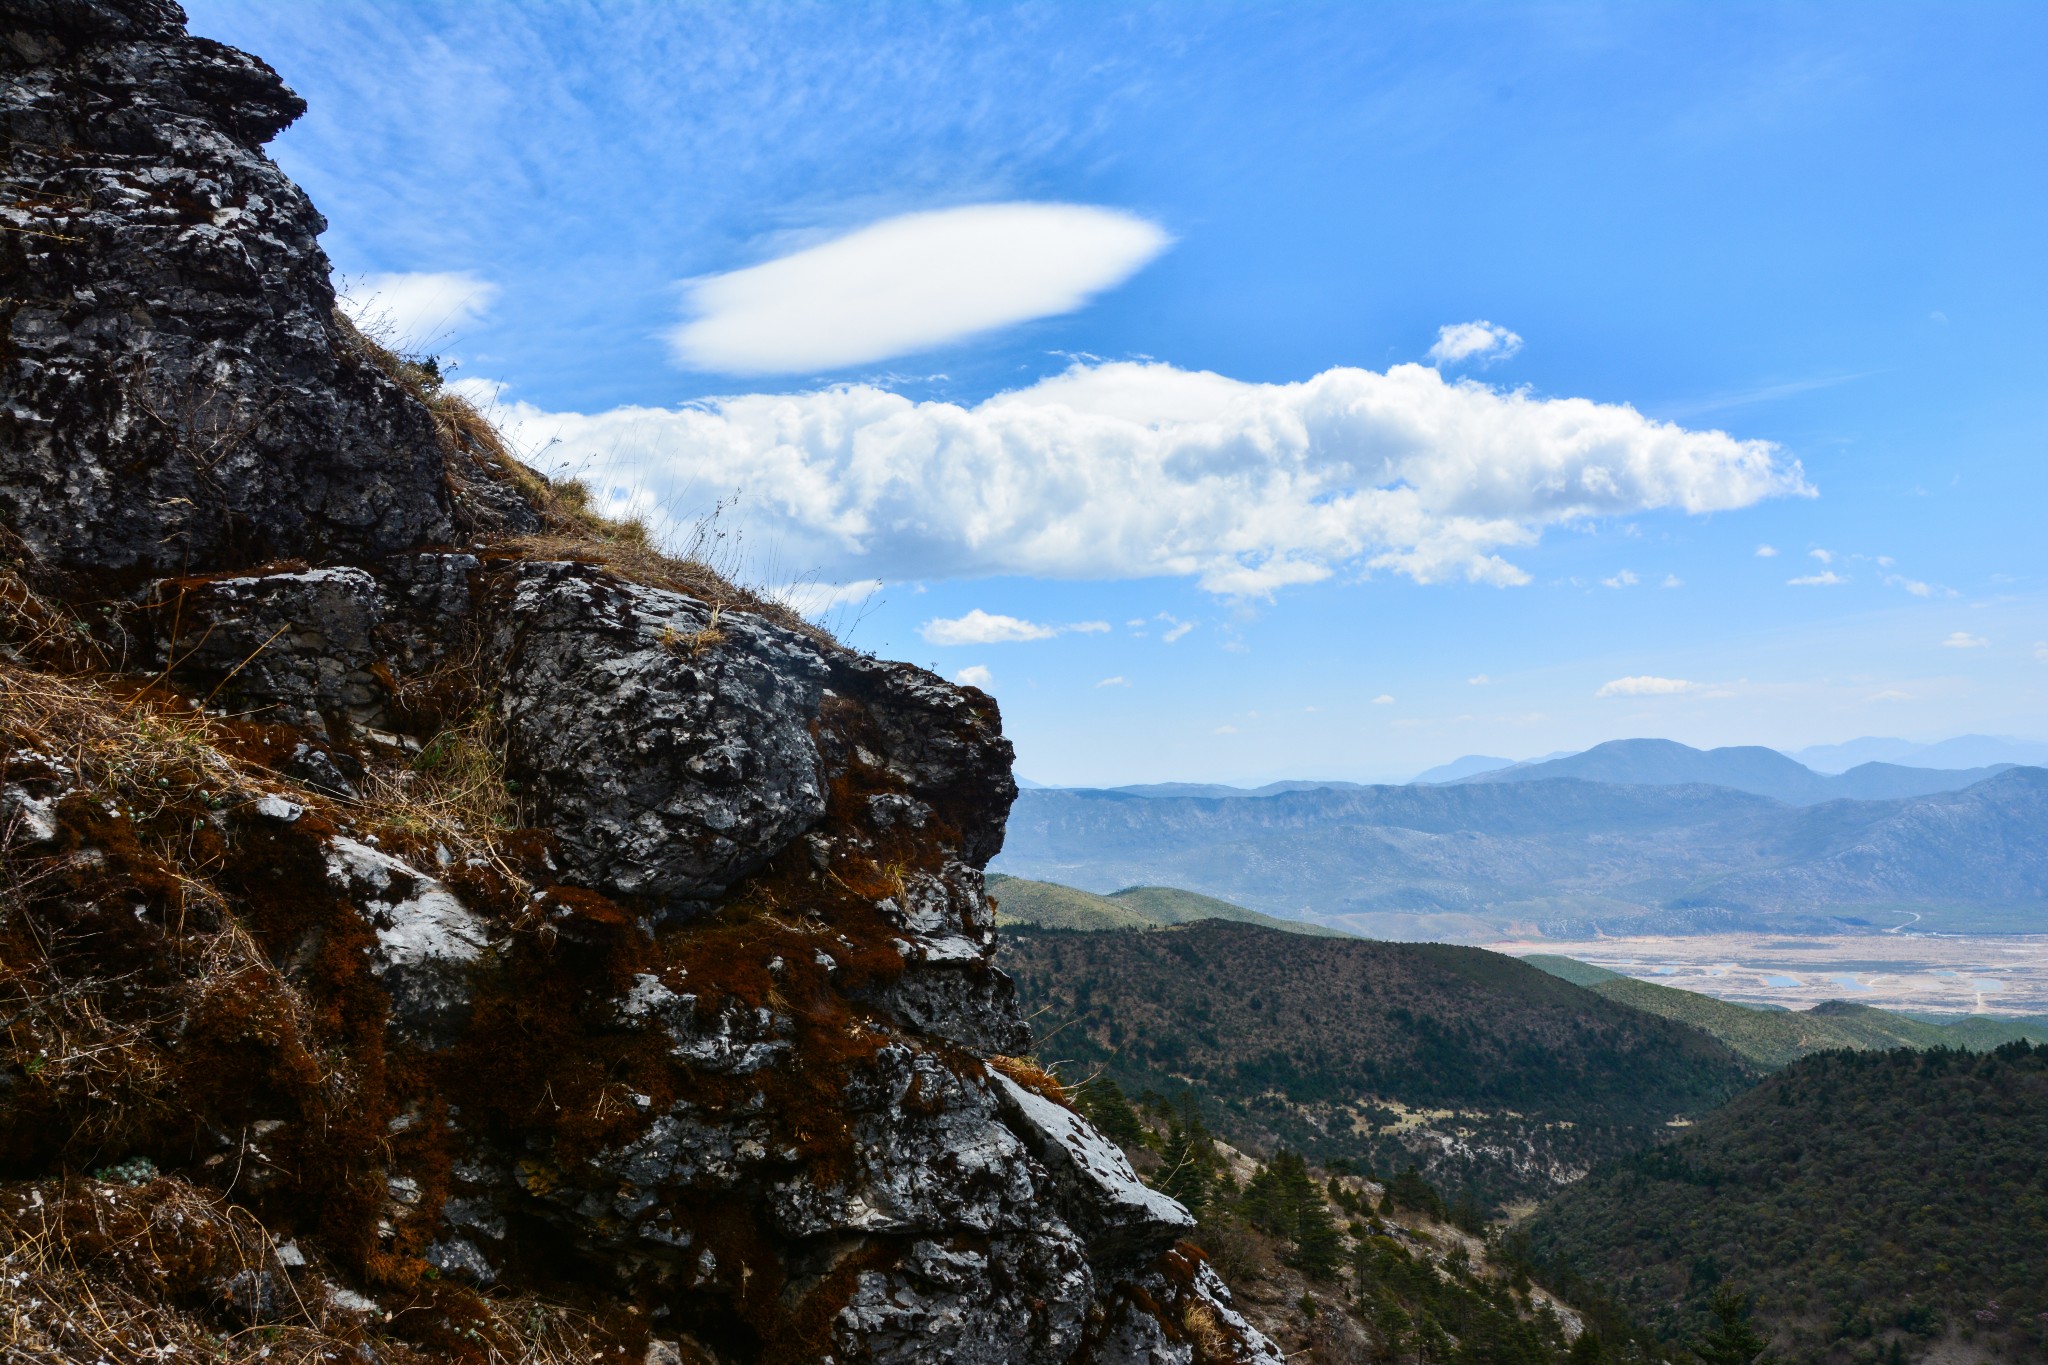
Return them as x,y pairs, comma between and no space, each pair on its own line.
1033,1077
570,527
166,1271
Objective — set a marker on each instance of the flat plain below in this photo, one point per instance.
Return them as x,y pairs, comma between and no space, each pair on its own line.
2003,974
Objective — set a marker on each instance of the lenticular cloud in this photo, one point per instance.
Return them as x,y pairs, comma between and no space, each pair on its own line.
910,283
1125,470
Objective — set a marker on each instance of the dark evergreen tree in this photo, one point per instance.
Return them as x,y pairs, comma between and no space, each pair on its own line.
1731,1340
1102,1100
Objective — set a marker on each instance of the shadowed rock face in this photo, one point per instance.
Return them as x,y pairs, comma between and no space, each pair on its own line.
705,1042
177,394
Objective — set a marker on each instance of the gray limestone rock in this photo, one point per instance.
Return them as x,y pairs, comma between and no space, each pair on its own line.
667,745
302,643
175,393
427,940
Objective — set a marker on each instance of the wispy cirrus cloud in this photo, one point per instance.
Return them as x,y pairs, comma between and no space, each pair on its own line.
910,283
1646,685
1125,470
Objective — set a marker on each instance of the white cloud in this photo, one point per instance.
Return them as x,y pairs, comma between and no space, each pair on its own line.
1172,635
1911,585
975,675
1625,579
978,627
1117,681
1126,470
2041,650
1645,686
1672,580
1478,680
1383,700
1226,729
1962,639
1827,579
910,283
1088,627
416,311
1482,341
1766,552
813,600
1824,556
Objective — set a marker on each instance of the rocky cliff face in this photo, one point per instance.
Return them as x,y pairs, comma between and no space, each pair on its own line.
498,915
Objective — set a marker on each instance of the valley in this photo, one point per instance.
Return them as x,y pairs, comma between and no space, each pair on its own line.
1950,974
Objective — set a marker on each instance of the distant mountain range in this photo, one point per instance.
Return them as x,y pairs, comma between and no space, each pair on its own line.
1563,854
1748,768
1871,766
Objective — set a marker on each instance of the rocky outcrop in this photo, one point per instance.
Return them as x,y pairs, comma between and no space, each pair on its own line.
472,918
178,394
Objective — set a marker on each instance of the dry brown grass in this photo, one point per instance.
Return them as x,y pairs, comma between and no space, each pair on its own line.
165,1271
570,527
1033,1077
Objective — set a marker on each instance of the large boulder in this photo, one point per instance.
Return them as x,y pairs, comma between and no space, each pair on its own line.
667,744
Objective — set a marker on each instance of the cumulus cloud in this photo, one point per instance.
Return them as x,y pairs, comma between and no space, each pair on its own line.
910,283
1481,341
1089,627
1672,580
1825,579
419,309
1478,680
1824,556
1911,585
1176,631
1645,686
1962,639
1383,699
1766,552
979,627
975,675
1226,729
1625,579
1117,681
1127,470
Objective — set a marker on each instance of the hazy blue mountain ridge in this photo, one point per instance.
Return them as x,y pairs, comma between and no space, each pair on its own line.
1561,853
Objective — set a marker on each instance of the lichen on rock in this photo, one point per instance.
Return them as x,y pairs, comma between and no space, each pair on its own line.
460,907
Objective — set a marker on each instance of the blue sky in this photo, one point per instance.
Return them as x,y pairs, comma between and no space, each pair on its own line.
1110,341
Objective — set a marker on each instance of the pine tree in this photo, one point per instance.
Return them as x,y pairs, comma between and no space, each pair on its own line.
1731,1340
1104,1103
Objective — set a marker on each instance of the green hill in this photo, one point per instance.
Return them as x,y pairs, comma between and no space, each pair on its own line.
1499,1080
1874,1203
1773,1038
1571,969
1048,905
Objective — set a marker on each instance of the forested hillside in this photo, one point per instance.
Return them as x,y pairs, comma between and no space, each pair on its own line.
1875,1204
1497,1079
